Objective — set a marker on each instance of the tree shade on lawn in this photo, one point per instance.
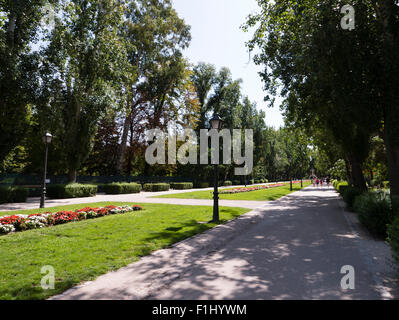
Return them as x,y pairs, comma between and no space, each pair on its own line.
81,251
259,195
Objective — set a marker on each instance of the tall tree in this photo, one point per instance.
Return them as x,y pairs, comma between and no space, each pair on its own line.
156,35
80,69
19,25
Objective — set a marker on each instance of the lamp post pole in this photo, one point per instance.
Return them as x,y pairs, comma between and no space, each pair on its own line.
216,123
215,194
46,139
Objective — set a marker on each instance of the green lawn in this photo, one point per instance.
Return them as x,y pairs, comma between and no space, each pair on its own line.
259,195
81,251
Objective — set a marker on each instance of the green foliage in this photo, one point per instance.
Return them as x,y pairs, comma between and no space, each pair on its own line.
201,185
393,238
341,186
375,211
155,187
73,190
227,183
13,194
181,185
349,194
121,188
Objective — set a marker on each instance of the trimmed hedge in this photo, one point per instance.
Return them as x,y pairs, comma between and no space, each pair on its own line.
201,185
122,188
341,186
181,185
73,190
227,183
393,238
349,194
375,211
155,187
13,194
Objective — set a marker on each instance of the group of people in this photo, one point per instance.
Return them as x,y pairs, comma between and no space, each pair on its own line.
321,181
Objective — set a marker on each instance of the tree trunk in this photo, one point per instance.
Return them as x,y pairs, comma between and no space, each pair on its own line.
122,146
357,173
72,174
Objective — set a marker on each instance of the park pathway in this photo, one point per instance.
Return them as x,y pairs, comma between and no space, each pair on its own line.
292,248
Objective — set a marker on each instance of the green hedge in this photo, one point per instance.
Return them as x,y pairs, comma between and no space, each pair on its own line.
341,186
227,183
393,238
349,194
13,194
73,190
201,185
155,187
375,212
122,188
181,185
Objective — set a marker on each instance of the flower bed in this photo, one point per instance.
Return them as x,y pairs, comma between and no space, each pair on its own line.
40,220
249,189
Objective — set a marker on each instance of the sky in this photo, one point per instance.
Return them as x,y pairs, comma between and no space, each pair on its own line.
218,39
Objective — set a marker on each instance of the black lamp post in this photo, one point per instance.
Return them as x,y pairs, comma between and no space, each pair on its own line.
216,123
301,175
47,137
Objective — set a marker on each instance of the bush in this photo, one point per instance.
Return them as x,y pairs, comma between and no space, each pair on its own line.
386,184
13,194
201,185
341,186
393,238
227,183
349,194
375,211
73,190
122,188
258,181
155,187
252,181
181,185
236,182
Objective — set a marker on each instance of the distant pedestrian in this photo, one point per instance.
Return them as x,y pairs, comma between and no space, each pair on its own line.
328,181
317,182
321,182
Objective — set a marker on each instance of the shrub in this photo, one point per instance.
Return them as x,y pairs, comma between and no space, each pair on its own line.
375,211
13,194
122,188
155,187
73,190
349,194
4,194
201,185
258,181
393,238
227,183
181,185
386,184
252,181
236,182
341,186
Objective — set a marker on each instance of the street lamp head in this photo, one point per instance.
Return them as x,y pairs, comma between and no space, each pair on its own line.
47,137
216,122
